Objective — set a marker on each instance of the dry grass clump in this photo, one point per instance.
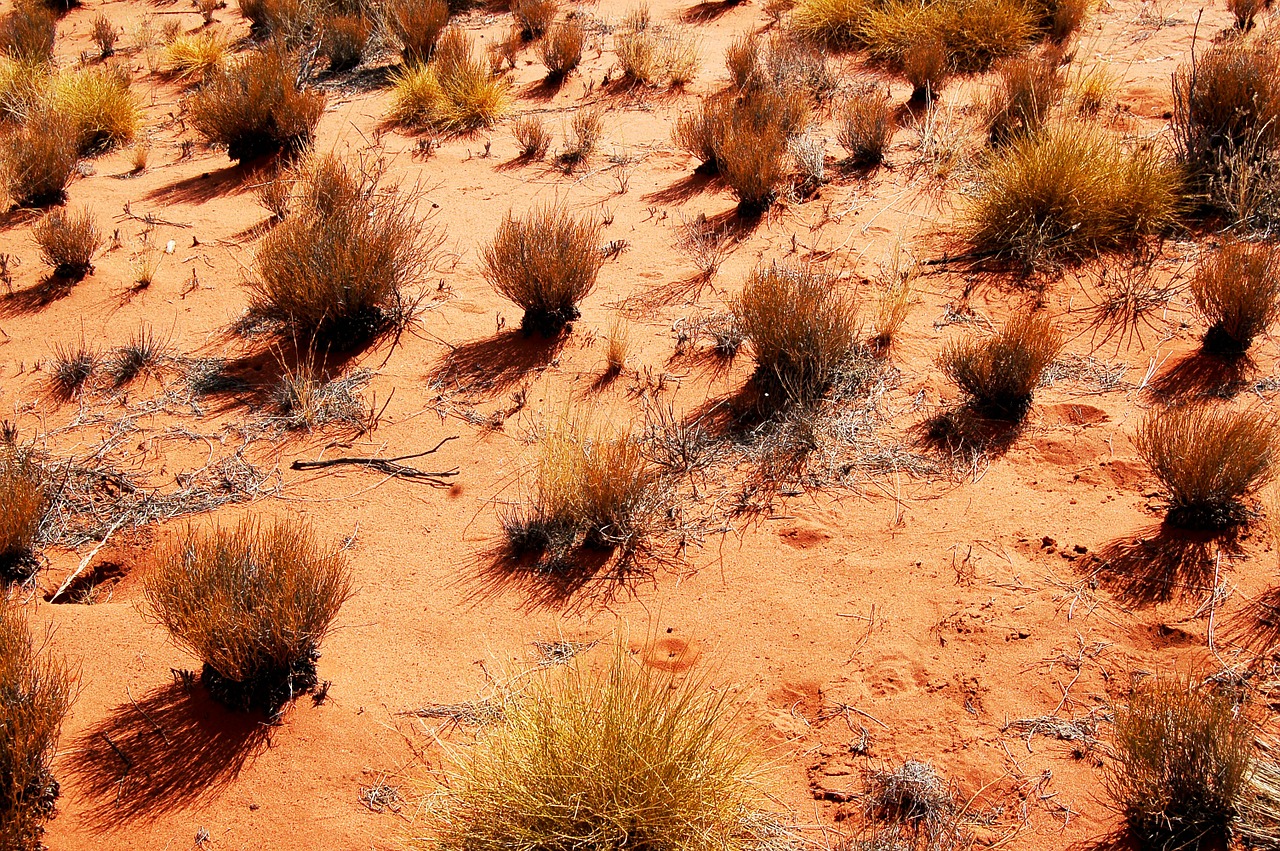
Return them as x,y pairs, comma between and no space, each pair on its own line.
864,126
68,242
256,107
35,694
288,22
533,17
1237,291
455,91
802,331
141,355
194,56
918,801
38,159
834,23
1184,757
338,266
998,374
973,33
105,35
624,757
617,345
70,369
343,40
253,603
24,88
1067,192
1027,87
27,32
546,263
1245,11
561,49
532,136
586,128
1209,460
100,104
24,499
417,25
651,57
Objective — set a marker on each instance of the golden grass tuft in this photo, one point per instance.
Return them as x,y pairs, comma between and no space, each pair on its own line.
624,757
194,56
998,374
454,92
533,17
1208,460
24,88
36,690
616,346
833,23
100,104
1183,762
561,49
105,35
38,160
802,331
1237,292
1068,192
546,263
653,58
255,106
24,498
973,33
417,24
532,135
865,125
253,603
67,242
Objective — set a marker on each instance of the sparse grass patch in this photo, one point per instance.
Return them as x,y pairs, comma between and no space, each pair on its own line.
1067,192
1183,762
1026,88
1209,460
417,24
24,498
143,354
68,242
802,332
1237,292
38,159
546,263
36,690
998,374
287,22
616,346
253,603
27,32
532,136
651,57
533,17
455,91
255,106
70,369
194,56
105,35
307,399
24,88
584,136
561,49
916,799
864,126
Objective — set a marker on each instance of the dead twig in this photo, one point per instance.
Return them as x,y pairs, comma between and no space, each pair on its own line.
390,466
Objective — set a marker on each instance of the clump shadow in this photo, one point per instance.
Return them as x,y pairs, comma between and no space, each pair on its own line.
965,434
1163,564
495,364
1203,374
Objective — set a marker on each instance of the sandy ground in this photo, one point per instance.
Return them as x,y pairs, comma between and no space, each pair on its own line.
937,606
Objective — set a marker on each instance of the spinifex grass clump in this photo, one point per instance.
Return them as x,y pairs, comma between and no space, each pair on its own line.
99,104
38,159
255,106
27,32
998,374
1237,292
546,263
1209,459
454,91
1184,756
35,694
623,758
802,332
67,242
24,499
253,603
336,269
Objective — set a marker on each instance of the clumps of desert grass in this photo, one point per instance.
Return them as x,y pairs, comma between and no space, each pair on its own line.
417,25
652,57
27,32
1068,192
24,88
1209,460
308,399
344,40
1237,292
194,56
36,690
338,267
533,17
802,330
617,345
256,107
918,802
998,374
24,499
532,135
104,34
1183,762
585,130
546,262
864,126
253,603
616,757
70,369
1245,11
893,303
67,241
38,159
289,22
561,49
455,91
1227,127
143,354
1026,89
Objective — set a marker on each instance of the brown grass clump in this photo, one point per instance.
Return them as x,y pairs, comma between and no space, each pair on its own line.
68,242
546,263
24,88
253,603
802,331
100,105
586,129
417,24
194,56
624,757
286,21
532,136
920,804
653,58
105,35
70,369
338,266
1027,87
1061,19
561,50
533,17
35,694
617,345
24,499
1245,11
864,126
455,91
1208,460
999,374
255,106
343,40
1068,192
1237,291
742,60
926,67
38,159
27,32
1184,757
753,162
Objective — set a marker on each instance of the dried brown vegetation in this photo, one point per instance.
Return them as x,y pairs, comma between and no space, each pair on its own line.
344,39
1027,87
561,49
1237,292
68,242
23,501
38,160
998,374
864,127
417,24
27,32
